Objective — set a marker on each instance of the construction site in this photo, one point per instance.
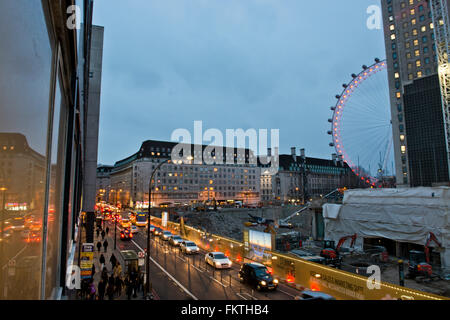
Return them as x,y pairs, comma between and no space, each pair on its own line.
384,227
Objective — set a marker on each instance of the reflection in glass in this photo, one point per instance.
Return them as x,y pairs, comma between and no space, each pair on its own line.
25,64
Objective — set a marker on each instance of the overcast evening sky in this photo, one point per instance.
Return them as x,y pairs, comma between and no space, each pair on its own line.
263,64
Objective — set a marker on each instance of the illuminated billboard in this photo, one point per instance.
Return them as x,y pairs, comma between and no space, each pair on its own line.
164,217
258,245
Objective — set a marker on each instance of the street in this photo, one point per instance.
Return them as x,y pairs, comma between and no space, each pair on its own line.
178,276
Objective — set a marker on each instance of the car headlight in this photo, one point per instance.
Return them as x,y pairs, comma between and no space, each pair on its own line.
275,280
263,283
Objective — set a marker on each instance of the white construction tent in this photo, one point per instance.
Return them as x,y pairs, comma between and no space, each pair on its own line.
402,215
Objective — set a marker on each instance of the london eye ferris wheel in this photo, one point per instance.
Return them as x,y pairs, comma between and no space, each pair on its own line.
361,127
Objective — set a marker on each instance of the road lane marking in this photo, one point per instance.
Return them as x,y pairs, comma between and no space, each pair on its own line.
181,258
196,268
286,293
218,282
167,273
248,294
240,295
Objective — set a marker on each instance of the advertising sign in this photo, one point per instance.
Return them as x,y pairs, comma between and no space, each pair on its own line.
164,218
86,260
259,245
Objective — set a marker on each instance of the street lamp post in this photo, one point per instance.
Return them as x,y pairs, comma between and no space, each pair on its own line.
148,284
115,232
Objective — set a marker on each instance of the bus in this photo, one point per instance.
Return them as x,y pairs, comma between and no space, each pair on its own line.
141,219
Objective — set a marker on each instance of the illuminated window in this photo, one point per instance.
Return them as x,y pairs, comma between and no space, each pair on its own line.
396,75
423,29
392,27
403,149
393,36
413,21
417,53
413,12
418,63
431,25
407,45
419,74
398,95
416,42
402,137
414,32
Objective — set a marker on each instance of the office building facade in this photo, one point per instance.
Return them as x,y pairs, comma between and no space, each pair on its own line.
416,110
186,183
302,178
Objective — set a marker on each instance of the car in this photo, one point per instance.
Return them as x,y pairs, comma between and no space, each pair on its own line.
125,223
218,260
257,275
33,237
166,235
157,231
175,240
314,295
189,247
134,229
126,234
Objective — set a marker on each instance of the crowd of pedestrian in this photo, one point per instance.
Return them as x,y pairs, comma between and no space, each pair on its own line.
112,284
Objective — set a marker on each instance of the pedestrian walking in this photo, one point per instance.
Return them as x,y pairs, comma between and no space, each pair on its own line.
93,270
105,245
92,290
105,275
101,289
102,261
99,246
107,230
84,289
118,285
103,234
113,261
129,288
110,291
118,270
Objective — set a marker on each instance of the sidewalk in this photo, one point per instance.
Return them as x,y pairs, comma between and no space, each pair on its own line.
107,255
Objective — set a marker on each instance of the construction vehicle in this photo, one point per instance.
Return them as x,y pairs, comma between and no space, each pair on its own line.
419,266
331,253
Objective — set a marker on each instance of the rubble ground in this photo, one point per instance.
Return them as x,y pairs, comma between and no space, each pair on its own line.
230,223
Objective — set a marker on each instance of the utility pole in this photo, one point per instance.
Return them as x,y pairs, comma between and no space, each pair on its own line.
148,284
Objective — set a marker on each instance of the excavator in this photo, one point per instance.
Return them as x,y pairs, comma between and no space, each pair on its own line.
419,262
331,253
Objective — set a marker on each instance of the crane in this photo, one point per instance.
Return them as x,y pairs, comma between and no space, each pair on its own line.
284,223
439,9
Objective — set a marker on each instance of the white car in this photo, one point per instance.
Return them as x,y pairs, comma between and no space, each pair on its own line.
218,260
134,229
189,247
